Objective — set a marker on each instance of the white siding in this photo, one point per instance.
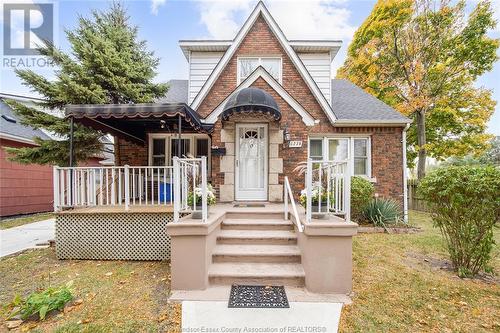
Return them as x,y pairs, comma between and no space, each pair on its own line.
200,66
318,65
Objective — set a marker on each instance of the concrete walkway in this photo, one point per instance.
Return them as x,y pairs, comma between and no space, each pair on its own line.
26,236
207,316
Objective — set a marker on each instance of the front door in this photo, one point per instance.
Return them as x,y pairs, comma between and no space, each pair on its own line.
251,162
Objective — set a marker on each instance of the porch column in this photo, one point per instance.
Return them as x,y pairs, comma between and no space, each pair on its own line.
179,129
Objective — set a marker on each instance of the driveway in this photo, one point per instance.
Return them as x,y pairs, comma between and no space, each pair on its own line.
207,316
26,236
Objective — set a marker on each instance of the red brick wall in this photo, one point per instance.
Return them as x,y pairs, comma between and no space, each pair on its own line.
131,154
386,142
23,188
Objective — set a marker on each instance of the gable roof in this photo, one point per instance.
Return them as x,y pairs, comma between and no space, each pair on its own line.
12,129
261,9
260,72
177,92
352,104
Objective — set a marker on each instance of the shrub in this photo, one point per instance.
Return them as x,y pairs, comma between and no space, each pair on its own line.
382,211
361,195
465,205
42,302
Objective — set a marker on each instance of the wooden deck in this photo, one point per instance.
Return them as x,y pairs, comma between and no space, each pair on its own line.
133,209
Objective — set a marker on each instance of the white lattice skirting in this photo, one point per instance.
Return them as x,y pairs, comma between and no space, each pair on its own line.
113,236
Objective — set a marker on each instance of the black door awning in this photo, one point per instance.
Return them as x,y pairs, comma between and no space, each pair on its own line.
251,100
133,121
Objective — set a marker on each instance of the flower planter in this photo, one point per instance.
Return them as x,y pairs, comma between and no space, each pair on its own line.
198,215
316,212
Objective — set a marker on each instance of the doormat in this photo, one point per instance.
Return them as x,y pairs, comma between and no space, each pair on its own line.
250,205
245,296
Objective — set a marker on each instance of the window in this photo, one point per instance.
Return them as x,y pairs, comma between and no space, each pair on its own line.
316,149
338,149
354,149
360,156
185,147
248,65
158,154
201,147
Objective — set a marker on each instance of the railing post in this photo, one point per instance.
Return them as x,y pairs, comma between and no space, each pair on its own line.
55,179
285,196
204,207
127,187
309,190
347,193
177,188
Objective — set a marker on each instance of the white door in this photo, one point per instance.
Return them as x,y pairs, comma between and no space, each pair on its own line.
251,161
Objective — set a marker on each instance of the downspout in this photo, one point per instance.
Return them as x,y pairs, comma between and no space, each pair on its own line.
405,176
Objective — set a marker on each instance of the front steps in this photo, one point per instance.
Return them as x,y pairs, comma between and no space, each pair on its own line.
256,248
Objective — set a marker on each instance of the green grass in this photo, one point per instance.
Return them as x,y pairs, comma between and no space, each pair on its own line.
22,220
132,299
400,285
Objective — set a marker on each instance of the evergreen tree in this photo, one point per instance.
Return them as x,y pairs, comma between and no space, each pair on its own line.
107,64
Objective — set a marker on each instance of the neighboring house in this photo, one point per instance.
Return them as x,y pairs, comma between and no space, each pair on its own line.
254,107
25,189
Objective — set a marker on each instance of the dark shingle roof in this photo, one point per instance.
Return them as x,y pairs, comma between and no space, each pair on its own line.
350,102
177,92
10,124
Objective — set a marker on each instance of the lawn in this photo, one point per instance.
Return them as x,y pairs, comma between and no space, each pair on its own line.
403,283
24,219
117,296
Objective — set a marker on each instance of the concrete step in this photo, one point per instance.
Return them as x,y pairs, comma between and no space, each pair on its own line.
289,274
270,237
257,224
255,215
256,253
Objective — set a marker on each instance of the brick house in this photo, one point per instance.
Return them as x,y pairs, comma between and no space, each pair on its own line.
252,110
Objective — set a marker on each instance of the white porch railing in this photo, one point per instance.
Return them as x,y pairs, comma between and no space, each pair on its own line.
76,187
289,195
190,177
112,186
330,184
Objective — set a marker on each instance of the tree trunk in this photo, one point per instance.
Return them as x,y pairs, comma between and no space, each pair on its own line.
421,141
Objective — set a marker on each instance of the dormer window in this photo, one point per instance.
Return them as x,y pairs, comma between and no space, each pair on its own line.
246,65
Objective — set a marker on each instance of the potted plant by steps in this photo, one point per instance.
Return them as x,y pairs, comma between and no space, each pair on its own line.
318,211
195,197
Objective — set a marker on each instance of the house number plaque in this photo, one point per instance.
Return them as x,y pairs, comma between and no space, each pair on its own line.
295,144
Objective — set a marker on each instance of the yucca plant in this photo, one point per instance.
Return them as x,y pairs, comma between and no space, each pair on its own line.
382,211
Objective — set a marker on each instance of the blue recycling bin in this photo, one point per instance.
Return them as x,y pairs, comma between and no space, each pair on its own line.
166,192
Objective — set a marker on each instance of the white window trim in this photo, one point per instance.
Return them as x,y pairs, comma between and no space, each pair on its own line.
350,152
238,77
168,139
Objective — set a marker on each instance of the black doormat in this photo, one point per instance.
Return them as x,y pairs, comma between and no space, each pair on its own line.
244,296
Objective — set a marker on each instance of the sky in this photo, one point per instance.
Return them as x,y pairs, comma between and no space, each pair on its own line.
162,23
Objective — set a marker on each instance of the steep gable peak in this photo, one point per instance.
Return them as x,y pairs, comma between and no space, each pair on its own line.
260,10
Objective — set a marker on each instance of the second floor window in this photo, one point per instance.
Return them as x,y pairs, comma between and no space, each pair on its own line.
248,64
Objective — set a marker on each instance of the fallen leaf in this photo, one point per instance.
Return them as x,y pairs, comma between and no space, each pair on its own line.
11,324
78,301
108,274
